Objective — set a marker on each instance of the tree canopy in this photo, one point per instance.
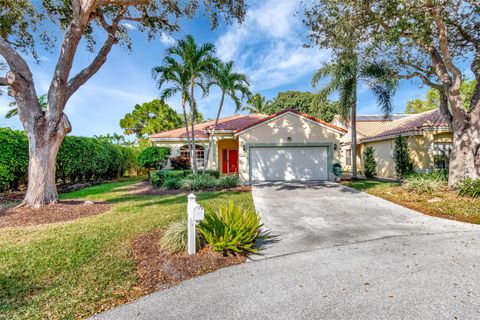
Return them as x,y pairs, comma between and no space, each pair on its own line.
150,117
306,102
432,99
431,41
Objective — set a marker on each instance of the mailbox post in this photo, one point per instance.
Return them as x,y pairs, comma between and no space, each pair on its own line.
195,213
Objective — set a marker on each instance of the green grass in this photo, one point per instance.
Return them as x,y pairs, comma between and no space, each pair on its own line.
74,269
364,185
443,203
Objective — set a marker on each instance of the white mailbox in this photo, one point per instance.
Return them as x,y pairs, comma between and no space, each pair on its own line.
195,213
198,213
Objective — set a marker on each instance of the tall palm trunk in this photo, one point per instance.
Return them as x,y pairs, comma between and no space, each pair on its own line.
193,150
354,131
185,121
210,140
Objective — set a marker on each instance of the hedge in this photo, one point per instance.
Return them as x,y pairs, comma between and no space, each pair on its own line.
79,159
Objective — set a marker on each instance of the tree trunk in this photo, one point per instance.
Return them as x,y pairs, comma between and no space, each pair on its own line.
213,132
465,156
354,133
189,143
194,147
44,141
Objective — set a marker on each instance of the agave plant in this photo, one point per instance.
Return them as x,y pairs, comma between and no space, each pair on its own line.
231,228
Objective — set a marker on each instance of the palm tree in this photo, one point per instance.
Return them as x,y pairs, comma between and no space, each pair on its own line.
196,63
231,84
42,101
345,75
176,74
256,104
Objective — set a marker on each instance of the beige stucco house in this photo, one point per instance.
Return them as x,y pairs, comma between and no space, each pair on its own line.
429,139
285,146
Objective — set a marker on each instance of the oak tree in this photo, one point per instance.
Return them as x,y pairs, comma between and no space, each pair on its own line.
430,40
26,25
150,117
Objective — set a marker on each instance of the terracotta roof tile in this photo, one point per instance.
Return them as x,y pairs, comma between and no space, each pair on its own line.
416,122
232,123
296,112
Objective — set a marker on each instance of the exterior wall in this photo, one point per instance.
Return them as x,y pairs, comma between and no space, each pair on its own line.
343,157
175,147
421,150
287,129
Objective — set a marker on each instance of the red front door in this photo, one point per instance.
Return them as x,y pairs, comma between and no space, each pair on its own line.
229,161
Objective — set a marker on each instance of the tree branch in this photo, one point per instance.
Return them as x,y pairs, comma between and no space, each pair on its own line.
124,3
475,100
78,80
73,35
447,58
20,80
422,77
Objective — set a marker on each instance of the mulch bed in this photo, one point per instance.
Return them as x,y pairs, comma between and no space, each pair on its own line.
158,270
58,212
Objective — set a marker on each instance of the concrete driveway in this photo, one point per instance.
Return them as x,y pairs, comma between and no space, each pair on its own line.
360,258
313,215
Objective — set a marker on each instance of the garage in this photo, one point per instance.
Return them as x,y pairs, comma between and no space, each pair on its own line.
289,163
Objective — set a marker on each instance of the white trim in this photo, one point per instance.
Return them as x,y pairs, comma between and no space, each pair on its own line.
282,115
219,131
175,140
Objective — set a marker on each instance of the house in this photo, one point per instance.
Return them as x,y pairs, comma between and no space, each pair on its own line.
288,145
428,134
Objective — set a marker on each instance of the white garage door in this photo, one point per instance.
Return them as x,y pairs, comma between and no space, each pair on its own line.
289,163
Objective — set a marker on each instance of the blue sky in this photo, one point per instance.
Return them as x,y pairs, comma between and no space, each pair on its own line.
268,47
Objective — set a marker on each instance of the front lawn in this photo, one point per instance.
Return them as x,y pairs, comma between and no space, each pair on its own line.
445,204
73,269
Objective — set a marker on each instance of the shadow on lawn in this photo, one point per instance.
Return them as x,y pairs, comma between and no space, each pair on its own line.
143,201
15,292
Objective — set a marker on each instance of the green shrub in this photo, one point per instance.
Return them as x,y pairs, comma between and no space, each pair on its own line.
199,182
401,156
13,159
154,157
78,159
180,163
213,173
158,177
172,183
175,238
468,187
230,181
429,183
369,163
231,228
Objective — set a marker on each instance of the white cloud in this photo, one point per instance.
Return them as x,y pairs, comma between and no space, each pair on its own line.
268,46
167,39
129,26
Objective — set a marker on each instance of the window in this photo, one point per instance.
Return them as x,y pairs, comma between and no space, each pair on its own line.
441,154
348,157
200,150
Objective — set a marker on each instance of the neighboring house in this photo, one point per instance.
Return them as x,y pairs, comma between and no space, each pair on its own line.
428,134
288,145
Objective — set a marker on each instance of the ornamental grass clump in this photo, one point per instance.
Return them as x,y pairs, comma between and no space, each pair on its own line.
231,229
172,183
429,183
230,181
175,238
199,182
468,187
